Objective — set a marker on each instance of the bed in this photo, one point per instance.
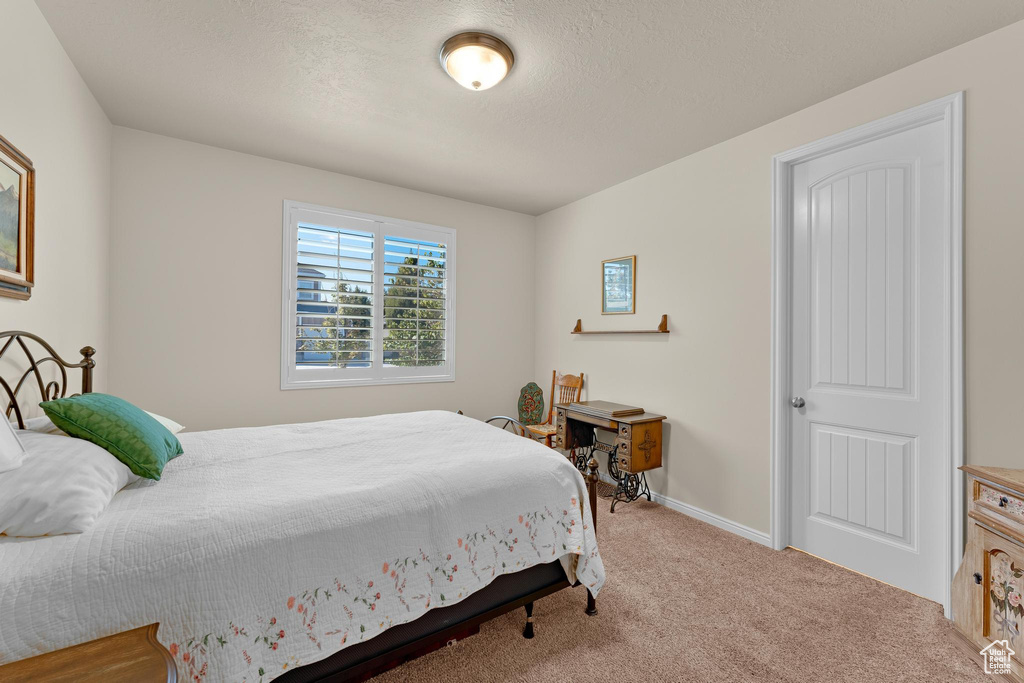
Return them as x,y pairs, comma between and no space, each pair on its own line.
318,551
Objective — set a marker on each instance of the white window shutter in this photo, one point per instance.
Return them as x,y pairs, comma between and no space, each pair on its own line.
367,299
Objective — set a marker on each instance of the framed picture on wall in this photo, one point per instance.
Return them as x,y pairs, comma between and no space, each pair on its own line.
618,285
17,213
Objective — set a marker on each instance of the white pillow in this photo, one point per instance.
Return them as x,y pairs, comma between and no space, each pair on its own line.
62,487
172,426
44,425
12,452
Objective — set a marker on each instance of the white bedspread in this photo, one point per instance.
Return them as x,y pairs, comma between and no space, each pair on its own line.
267,548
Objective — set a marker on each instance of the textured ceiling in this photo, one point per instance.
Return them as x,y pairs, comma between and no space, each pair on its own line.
601,91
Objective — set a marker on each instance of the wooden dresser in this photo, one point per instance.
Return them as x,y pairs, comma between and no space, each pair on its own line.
988,590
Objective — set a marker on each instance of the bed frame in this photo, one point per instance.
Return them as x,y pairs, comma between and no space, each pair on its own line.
139,650
49,389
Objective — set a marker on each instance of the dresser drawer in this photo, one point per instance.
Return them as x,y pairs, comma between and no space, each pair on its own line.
998,504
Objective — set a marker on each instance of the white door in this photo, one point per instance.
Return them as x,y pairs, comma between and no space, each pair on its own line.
869,366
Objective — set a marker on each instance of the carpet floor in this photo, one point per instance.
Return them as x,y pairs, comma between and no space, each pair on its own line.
685,601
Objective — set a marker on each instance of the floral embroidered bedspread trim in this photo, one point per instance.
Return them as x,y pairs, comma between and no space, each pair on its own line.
338,613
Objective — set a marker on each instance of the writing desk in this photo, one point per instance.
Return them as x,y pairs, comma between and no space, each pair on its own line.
636,449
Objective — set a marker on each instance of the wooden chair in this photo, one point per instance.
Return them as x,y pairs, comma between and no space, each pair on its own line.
569,388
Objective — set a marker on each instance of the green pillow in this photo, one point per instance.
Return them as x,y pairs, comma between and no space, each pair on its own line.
131,435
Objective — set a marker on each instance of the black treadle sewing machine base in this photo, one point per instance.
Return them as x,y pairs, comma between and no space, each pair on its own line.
628,485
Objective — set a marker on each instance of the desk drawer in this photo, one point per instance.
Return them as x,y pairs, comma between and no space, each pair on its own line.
998,504
596,421
624,455
624,462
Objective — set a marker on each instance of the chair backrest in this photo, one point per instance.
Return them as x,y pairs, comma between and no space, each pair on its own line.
564,389
531,404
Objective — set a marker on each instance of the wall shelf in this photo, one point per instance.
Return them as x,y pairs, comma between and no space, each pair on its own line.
662,329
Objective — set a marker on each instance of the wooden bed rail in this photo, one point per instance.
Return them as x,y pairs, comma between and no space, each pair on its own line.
134,655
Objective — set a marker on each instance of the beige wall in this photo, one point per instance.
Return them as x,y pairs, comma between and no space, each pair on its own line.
47,112
196,288
701,229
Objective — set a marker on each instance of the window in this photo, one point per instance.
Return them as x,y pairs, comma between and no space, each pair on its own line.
367,299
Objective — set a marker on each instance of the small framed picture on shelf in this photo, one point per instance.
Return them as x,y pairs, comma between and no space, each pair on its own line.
17,209
618,285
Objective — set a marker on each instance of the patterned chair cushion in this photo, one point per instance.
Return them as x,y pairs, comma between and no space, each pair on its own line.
531,404
542,430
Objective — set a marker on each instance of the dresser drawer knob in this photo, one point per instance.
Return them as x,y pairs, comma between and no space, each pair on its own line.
1003,501
977,578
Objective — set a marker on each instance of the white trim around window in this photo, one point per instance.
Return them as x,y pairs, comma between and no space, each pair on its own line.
349,261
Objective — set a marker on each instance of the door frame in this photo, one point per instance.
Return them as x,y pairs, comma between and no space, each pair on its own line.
949,110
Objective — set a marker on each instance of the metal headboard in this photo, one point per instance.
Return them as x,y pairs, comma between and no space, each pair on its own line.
48,390
517,427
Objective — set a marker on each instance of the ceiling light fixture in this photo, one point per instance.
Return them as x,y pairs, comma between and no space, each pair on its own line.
476,61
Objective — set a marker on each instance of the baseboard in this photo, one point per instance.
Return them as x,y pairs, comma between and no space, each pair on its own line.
705,516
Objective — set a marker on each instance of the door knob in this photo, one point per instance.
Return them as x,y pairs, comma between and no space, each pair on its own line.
798,402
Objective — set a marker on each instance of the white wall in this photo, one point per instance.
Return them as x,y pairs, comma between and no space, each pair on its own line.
701,229
196,288
48,113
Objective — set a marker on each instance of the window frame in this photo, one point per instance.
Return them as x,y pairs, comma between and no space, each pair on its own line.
381,227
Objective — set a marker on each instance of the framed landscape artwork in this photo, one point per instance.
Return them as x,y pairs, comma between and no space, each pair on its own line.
17,213
618,285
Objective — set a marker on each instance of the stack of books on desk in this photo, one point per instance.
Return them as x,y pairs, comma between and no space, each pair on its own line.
605,409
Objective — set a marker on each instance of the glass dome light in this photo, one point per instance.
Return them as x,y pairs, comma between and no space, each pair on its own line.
477,61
